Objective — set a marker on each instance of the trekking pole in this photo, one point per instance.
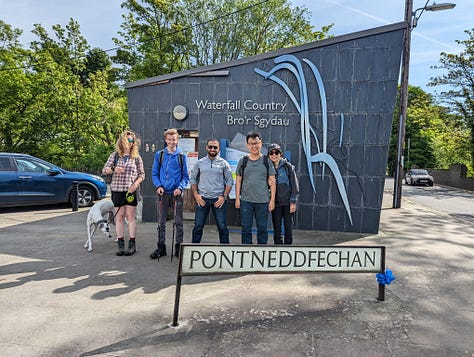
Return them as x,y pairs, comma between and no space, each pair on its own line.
174,227
158,214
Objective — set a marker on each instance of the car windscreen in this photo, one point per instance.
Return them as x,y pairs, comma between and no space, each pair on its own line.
419,172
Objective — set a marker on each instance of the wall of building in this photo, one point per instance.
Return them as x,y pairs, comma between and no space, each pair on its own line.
328,104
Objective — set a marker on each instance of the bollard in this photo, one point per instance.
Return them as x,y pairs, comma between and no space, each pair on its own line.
75,195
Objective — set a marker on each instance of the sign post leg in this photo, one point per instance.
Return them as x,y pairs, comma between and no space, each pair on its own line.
381,296
176,302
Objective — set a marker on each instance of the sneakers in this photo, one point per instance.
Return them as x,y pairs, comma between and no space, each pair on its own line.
131,248
159,252
121,247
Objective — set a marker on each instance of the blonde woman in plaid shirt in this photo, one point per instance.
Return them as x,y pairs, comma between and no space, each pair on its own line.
126,167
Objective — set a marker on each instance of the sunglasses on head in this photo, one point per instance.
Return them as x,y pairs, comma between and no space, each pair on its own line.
212,147
274,152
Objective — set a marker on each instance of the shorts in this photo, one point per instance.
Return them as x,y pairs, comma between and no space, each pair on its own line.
120,198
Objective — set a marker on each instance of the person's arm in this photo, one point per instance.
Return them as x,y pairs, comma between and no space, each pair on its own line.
155,174
185,177
238,183
140,176
272,185
294,185
108,168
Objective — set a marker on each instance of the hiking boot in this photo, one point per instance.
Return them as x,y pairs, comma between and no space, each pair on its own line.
159,252
131,248
177,246
121,247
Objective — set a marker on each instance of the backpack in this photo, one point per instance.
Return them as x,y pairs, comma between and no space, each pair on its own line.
181,162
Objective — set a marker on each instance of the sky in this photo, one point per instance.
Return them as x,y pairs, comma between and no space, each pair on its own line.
436,32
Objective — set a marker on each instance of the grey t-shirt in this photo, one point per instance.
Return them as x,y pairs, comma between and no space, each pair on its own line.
254,187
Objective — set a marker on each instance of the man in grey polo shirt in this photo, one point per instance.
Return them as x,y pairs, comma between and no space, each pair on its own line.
211,182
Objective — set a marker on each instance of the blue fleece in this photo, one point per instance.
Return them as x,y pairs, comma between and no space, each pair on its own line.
171,175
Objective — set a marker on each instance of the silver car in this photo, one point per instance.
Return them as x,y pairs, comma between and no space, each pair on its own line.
418,177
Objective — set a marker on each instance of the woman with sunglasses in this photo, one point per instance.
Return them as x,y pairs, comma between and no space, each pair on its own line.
287,189
126,167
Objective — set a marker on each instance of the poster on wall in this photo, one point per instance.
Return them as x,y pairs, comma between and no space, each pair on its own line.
233,156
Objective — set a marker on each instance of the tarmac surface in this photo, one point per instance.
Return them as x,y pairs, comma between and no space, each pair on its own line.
58,299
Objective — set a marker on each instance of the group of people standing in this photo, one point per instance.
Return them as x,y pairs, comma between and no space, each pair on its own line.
263,184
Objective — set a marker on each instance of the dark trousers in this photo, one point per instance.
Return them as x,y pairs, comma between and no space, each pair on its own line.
163,203
278,214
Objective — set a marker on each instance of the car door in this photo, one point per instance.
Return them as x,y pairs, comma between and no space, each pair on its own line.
35,184
8,182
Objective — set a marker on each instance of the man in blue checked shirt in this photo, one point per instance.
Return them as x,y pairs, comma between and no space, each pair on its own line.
211,182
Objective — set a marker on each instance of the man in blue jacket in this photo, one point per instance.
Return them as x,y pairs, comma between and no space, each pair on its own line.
170,177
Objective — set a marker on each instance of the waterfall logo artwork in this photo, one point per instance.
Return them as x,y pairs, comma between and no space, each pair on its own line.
308,134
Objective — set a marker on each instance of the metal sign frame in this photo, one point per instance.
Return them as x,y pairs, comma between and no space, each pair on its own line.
216,259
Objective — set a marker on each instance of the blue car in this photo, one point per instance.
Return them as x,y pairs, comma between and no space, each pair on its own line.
27,180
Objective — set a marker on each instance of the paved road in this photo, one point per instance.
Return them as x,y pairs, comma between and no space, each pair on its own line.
60,300
455,202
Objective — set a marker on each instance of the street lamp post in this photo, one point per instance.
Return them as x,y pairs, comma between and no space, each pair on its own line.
411,20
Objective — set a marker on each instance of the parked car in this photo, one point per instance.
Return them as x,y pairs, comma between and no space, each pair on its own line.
418,177
27,180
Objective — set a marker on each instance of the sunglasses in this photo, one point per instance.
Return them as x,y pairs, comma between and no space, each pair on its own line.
130,140
211,147
274,152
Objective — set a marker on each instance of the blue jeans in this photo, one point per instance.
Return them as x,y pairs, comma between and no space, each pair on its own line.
247,212
200,217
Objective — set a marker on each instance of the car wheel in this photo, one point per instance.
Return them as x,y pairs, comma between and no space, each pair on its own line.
85,197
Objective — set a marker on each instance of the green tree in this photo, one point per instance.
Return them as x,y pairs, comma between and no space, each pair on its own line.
458,87
161,36
421,114
57,100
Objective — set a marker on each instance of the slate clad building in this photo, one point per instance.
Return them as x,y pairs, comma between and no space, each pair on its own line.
329,104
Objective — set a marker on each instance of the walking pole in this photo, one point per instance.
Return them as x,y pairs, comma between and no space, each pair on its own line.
174,226
160,205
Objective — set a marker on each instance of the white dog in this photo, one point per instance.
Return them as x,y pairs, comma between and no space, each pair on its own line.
101,216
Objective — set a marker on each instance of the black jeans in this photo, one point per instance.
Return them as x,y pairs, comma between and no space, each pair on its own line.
279,213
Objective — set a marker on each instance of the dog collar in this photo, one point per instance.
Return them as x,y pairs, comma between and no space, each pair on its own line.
102,221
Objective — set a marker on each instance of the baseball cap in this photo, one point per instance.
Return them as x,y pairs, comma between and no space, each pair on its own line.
274,147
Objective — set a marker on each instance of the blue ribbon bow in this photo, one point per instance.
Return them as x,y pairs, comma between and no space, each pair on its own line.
385,278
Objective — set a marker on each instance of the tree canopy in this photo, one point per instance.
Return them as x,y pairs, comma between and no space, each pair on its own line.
161,36
457,87
56,99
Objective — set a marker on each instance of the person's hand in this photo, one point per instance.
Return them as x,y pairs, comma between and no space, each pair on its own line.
200,202
237,202
119,170
271,206
132,188
177,192
220,202
292,207
160,190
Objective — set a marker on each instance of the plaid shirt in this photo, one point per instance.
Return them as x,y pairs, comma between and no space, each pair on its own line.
133,170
